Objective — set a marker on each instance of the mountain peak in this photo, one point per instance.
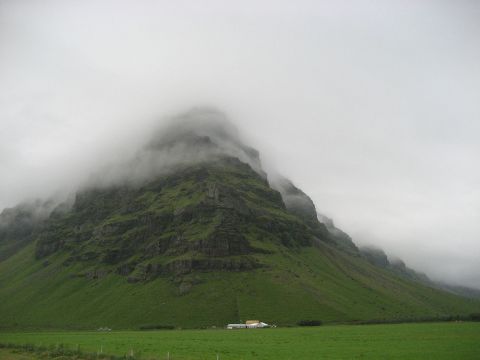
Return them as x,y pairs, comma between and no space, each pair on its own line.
198,122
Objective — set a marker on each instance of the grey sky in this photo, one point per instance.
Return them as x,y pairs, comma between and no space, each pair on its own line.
371,107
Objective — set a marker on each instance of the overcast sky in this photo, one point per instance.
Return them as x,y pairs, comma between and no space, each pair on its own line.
371,107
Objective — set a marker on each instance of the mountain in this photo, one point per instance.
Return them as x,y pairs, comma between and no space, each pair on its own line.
191,232
464,291
377,257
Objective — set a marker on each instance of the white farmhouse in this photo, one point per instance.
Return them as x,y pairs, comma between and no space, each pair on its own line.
236,326
249,324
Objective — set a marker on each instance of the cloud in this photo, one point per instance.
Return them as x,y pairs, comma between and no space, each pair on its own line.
370,107
194,136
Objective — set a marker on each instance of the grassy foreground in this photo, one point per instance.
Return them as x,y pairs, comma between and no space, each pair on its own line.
398,341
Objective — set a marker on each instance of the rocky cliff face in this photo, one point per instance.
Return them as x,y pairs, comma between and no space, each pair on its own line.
342,239
295,199
20,225
214,215
194,198
377,257
212,208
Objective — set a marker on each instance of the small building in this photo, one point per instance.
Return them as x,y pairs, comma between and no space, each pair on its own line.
104,329
236,326
249,324
256,324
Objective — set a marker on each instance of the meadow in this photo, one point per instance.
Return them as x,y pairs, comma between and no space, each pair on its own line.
454,340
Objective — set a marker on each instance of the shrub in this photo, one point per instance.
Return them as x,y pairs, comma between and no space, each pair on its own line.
156,327
309,323
475,317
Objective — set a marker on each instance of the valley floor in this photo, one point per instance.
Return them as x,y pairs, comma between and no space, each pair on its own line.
397,341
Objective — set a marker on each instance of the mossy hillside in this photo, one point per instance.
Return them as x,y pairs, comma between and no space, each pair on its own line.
203,246
175,223
307,283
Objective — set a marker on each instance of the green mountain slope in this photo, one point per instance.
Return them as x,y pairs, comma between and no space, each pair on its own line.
311,283
202,243
377,257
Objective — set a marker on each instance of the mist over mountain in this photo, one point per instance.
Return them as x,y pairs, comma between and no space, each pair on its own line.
192,219
364,105
18,224
198,136
185,146
193,145
195,136
378,257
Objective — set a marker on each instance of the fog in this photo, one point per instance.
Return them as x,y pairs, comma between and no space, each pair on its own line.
370,107
192,137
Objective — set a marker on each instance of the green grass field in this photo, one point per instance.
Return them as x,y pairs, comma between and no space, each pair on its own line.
399,341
